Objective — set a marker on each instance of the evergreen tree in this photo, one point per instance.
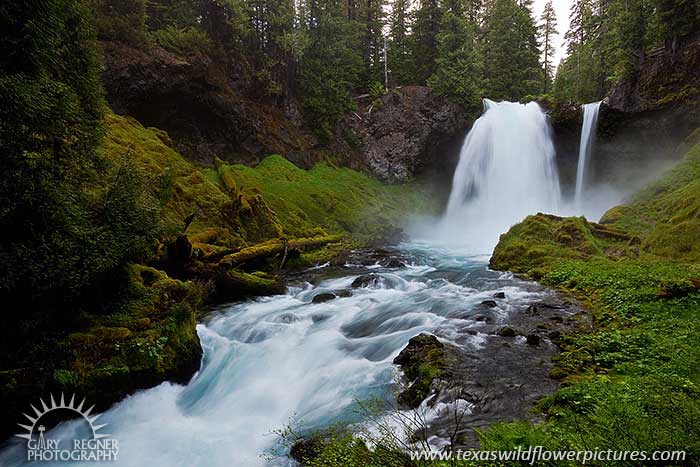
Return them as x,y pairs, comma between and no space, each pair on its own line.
511,53
331,65
458,63
372,41
401,59
581,11
426,27
548,31
65,219
677,19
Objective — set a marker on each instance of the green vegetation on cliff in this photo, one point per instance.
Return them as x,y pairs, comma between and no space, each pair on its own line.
633,383
238,206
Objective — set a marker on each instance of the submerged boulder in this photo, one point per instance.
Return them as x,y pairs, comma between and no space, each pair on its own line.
323,297
366,280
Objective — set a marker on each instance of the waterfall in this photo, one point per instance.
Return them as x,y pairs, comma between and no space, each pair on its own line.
590,120
506,171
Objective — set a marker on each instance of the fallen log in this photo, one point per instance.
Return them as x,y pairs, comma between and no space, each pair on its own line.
274,247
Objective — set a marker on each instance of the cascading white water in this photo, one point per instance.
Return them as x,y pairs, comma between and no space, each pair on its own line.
506,171
278,359
590,121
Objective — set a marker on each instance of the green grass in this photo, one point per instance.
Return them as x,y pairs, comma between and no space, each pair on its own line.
338,200
666,214
634,382
237,205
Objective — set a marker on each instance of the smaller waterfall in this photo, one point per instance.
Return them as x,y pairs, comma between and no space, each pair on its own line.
590,121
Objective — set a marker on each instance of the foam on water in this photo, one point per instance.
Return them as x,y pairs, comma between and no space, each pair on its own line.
276,359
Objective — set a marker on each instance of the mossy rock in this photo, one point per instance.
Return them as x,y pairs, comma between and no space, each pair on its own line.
423,360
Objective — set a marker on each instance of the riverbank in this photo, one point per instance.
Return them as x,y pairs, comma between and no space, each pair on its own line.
632,383
625,380
228,233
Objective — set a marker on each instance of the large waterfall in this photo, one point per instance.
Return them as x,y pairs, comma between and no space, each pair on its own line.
506,171
590,120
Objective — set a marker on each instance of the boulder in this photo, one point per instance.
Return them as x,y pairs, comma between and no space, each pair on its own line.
506,331
323,297
533,339
422,360
409,131
365,280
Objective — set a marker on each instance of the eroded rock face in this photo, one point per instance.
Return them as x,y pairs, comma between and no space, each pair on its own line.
411,131
642,124
207,106
666,76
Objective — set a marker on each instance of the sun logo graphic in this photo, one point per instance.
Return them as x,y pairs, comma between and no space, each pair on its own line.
93,446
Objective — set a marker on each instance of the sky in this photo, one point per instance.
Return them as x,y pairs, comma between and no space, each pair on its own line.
562,8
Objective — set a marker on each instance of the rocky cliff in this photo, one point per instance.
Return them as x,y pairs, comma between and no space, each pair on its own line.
207,105
212,108
410,131
642,125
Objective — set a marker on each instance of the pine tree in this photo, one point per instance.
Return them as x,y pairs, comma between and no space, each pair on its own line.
372,20
331,65
65,219
458,64
426,27
401,60
548,31
678,19
511,53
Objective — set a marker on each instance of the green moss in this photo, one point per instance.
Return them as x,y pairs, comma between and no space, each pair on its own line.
148,335
336,199
634,381
666,214
532,246
237,206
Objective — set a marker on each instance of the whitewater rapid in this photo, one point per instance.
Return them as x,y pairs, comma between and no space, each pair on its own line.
278,361
283,360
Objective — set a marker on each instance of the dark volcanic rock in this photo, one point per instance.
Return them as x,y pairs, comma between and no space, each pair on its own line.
411,131
323,297
365,281
505,378
499,295
642,125
210,106
307,449
507,331
394,263
533,339
489,303
422,360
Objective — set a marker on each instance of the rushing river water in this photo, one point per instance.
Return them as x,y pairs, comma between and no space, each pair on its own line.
279,360
275,359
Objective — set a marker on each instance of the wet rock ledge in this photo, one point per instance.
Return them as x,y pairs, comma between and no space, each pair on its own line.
502,380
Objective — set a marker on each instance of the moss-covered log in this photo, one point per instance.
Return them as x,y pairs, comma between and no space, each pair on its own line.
275,247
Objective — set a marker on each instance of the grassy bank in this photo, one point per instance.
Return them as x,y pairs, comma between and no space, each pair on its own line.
135,327
237,206
634,383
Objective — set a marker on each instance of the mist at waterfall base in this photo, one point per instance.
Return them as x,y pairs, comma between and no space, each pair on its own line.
507,170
